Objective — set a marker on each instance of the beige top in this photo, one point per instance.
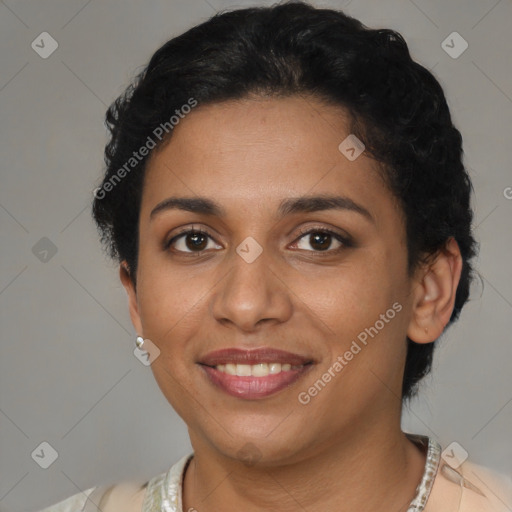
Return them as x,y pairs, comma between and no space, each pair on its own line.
445,486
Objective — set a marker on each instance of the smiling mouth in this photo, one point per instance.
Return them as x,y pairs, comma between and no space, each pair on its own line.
257,381
253,374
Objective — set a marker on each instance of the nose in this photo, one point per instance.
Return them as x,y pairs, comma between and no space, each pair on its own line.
251,294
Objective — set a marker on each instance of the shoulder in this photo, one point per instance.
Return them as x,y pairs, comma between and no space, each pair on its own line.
470,488
127,496
495,489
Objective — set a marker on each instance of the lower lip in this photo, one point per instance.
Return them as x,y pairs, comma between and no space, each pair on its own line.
251,388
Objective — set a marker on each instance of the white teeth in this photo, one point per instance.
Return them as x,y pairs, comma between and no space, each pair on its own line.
255,370
243,370
230,369
259,370
274,367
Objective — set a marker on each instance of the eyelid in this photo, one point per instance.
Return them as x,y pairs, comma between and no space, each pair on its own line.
313,229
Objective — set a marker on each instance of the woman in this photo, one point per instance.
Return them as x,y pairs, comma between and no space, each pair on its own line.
286,198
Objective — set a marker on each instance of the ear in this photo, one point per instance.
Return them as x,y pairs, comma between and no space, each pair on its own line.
434,294
126,279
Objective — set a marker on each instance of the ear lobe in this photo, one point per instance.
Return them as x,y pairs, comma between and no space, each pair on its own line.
126,279
435,294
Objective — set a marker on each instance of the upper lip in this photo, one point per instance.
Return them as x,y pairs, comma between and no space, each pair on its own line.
254,356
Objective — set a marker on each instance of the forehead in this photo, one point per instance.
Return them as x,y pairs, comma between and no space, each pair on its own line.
261,150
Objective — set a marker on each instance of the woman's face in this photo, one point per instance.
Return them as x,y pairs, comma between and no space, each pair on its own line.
254,280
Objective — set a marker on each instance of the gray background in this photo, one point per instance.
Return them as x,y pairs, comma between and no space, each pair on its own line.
68,375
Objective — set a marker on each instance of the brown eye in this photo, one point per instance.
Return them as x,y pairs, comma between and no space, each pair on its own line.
322,240
195,241
189,241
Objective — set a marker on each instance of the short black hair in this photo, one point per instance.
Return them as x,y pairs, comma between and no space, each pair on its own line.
396,106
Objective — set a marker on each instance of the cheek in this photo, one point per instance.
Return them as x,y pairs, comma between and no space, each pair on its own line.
350,297
169,304
170,310
363,306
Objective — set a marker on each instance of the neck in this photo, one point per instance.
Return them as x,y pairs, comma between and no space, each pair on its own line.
374,468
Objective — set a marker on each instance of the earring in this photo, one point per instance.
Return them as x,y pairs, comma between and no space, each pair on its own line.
139,341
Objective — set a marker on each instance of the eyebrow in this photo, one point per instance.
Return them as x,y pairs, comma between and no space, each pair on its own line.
288,206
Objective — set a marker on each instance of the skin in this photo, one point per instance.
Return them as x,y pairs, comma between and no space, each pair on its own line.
344,450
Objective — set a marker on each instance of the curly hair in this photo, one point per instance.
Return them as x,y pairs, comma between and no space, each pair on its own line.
396,106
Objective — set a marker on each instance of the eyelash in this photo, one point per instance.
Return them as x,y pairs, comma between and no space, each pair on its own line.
344,240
